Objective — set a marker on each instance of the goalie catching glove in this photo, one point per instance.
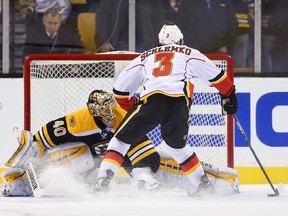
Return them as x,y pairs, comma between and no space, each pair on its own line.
229,103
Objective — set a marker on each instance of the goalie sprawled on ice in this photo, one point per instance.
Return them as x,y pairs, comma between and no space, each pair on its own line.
77,143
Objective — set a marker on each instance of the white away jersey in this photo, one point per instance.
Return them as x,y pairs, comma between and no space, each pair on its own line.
168,69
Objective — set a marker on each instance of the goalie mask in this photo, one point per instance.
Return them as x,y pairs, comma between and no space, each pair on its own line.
102,104
170,34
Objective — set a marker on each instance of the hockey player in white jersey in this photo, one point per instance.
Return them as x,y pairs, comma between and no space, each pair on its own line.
165,73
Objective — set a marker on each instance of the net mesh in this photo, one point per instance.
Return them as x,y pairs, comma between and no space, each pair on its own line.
59,87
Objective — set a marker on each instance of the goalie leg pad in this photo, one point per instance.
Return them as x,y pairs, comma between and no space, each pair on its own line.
222,178
68,160
15,183
171,175
27,151
75,156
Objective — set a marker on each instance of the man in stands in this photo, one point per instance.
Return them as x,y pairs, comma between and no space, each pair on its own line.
52,37
166,74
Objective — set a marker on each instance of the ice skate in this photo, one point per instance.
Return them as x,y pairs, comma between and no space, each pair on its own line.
102,183
205,188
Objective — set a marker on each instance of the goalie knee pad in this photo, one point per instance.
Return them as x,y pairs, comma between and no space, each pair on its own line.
15,183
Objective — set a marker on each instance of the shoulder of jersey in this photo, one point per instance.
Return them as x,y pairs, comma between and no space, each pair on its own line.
120,111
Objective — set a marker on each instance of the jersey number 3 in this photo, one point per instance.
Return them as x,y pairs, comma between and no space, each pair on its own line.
165,64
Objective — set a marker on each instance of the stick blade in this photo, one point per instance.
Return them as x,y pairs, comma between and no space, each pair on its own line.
276,194
33,180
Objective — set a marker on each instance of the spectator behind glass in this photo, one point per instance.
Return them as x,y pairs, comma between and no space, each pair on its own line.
208,25
250,48
38,7
87,6
170,10
112,24
32,12
240,47
268,36
52,38
278,24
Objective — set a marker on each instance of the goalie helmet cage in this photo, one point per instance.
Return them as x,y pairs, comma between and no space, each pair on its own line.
58,84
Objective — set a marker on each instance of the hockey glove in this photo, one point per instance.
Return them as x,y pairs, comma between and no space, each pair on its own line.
229,103
100,149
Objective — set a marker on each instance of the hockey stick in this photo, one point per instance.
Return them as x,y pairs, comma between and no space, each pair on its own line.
276,192
34,183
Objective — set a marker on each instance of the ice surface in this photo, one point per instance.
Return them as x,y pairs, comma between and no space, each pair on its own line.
121,200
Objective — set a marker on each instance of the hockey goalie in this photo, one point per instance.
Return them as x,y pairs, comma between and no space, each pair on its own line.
77,142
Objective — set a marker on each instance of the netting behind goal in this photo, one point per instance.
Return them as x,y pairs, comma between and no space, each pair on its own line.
55,85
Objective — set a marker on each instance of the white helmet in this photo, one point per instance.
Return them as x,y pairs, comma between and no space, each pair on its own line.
170,34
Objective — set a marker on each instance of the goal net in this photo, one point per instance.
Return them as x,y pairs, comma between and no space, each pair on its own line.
58,84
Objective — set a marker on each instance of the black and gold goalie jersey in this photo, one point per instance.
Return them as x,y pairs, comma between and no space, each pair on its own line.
79,126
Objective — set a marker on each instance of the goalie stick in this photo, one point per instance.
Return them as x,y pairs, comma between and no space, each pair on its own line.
34,183
276,192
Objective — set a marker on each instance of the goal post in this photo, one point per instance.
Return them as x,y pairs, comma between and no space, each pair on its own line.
58,84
